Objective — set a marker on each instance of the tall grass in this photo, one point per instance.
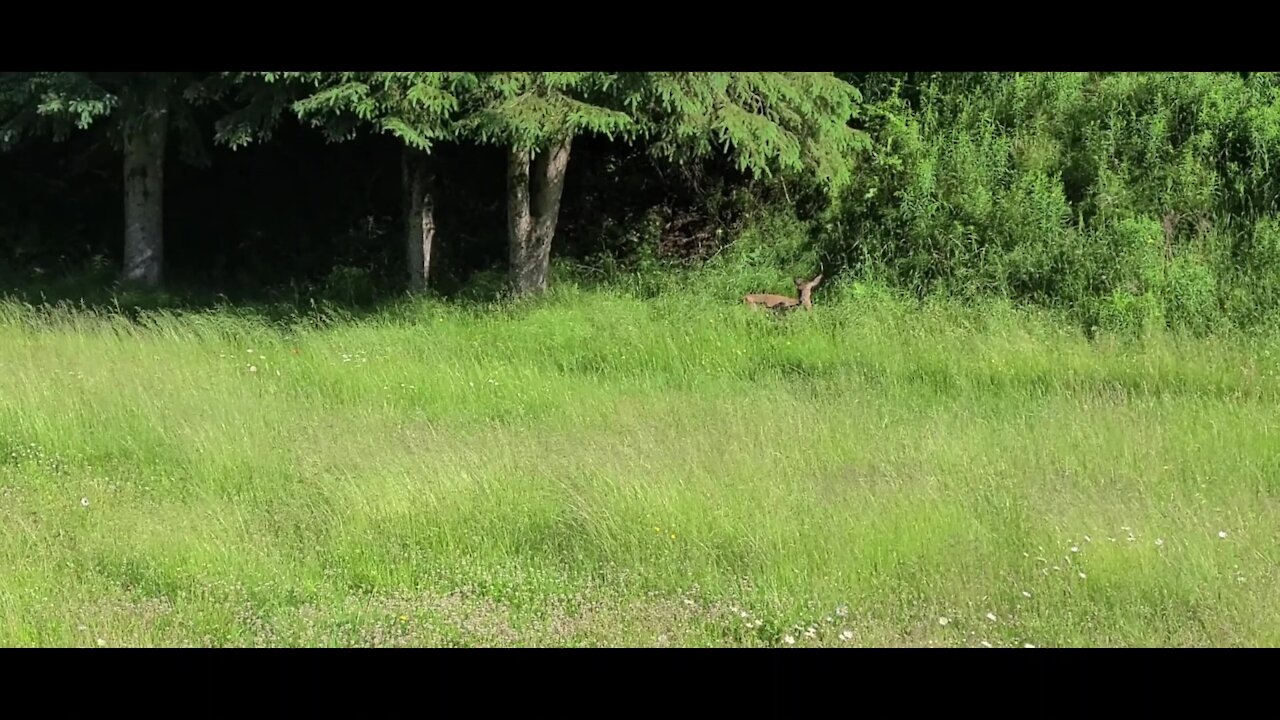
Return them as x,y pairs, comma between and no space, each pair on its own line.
599,469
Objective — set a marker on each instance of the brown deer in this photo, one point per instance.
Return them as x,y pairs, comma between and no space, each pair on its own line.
782,302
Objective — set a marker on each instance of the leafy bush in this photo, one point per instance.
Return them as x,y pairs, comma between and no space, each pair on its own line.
1126,198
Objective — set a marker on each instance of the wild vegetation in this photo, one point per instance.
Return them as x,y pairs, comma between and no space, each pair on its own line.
463,359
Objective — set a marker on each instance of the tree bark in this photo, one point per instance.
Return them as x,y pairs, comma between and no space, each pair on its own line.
420,217
144,153
533,208
519,222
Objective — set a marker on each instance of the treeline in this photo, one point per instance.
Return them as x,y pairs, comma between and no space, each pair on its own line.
770,124
1125,199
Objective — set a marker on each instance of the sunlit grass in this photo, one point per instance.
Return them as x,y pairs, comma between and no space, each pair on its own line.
597,469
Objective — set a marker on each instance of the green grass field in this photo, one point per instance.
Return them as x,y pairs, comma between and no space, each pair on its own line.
594,469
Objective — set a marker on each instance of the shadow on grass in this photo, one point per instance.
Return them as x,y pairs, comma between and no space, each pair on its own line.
347,295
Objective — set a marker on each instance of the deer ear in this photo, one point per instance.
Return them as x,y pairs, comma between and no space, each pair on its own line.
799,281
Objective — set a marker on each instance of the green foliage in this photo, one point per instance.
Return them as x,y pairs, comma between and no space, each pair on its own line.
764,257
54,103
59,103
532,110
417,108
262,100
522,110
1131,195
769,123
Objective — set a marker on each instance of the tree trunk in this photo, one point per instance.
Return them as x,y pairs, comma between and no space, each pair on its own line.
420,218
533,207
519,222
144,152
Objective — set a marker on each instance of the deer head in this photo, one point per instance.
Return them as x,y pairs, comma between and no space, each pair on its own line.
805,290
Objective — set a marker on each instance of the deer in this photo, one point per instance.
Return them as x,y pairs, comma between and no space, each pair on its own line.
781,302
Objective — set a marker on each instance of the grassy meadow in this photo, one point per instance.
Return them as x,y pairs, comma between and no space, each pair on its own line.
597,469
